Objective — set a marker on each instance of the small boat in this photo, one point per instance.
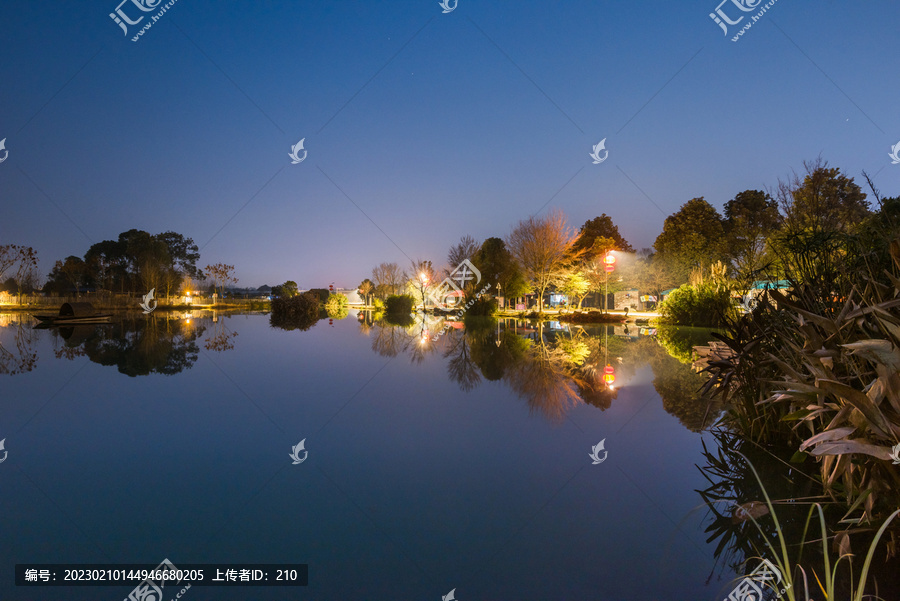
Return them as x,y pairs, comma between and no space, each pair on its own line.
74,313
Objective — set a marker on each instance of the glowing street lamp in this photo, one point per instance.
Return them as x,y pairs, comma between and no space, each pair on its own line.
610,261
424,278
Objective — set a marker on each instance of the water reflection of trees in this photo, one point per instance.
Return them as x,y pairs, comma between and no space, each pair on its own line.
17,339
414,337
137,347
552,369
221,337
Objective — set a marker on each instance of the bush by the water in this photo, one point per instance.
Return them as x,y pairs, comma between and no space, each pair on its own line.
591,317
704,305
321,293
296,312
399,304
337,306
483,306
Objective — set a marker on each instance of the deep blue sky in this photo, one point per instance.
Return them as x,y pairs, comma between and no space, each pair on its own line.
469,121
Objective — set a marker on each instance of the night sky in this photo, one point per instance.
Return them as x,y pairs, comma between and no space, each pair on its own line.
420,126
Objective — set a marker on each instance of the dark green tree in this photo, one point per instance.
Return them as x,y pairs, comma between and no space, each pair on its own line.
749,218
692,238
825,200
66,276
499,269
600,227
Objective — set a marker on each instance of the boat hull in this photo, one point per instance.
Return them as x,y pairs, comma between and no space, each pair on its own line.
56,320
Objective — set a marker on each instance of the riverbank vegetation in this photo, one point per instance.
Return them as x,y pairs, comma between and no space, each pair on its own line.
814,369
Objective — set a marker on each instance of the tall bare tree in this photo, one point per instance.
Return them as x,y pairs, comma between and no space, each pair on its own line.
421,280
20,261
542,246
389,279
462,250
221,275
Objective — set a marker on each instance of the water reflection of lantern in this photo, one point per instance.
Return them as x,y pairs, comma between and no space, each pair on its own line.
609,375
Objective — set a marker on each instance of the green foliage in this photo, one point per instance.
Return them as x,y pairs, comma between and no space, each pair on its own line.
693,237
868,251
703,305
601,227
679,342
138,261
321,293
404,320
297,312
575,284
67,276
378,304
399,304
337,306
825,200
481,306
749,218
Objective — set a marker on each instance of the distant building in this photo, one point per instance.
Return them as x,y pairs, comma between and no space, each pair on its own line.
759,289
353,296
627,298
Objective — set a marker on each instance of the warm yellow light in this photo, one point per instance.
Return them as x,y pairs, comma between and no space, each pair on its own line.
423,276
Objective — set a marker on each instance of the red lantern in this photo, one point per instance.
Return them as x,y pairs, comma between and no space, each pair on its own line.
610,268
609,259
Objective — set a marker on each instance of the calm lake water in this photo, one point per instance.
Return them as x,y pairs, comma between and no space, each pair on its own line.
461,462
